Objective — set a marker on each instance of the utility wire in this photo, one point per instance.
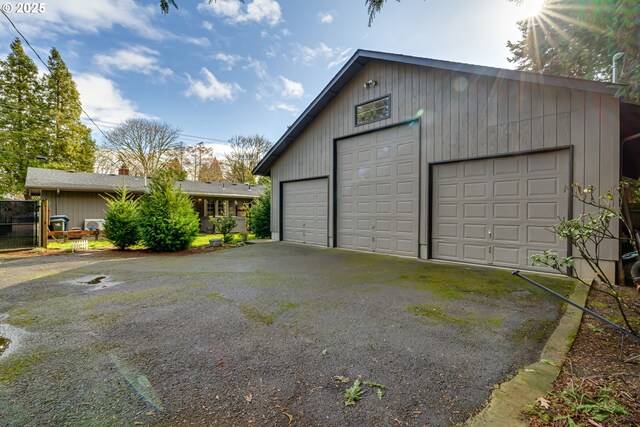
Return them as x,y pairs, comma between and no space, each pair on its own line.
83,110
181,134
47,66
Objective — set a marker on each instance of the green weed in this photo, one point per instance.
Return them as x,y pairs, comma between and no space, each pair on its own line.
353,393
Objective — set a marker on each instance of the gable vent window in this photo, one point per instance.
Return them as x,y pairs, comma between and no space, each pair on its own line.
372,111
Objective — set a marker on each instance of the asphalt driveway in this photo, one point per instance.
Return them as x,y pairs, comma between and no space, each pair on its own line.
258,335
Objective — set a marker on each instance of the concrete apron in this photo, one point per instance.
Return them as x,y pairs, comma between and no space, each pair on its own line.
508,400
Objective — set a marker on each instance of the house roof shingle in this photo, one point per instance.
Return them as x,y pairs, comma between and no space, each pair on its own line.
52,179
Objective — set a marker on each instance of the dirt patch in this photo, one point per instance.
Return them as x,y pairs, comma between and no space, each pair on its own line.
595,386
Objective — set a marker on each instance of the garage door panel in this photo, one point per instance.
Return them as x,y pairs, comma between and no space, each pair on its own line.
525,195
509,188
475,189
506,256
447,191
507,166
545,163
305,211
471,231
540,235
506,211
386,196
506,233
542,187
445,250
474,253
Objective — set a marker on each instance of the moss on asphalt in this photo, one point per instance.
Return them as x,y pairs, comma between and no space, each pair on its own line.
257,316
17,364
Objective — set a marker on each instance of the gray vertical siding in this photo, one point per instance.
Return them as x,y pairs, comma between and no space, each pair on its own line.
77,205
463,116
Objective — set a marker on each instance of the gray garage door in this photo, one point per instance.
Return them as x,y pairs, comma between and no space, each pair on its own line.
495,211
377,191
305,211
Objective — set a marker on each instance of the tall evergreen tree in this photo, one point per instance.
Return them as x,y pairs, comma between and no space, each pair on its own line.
69,141
578,38
22,119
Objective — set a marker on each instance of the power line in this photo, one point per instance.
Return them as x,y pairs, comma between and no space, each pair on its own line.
113,124
47,66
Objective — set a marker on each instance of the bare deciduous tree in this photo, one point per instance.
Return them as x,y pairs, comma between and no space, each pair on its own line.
143,145
246,152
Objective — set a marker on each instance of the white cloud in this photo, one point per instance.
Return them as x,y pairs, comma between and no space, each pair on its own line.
91,17
285,32
258,67
229,60
207,25
283,106
325,17
267,11
340,57
291,89
138,59
308,55
210,88
102,99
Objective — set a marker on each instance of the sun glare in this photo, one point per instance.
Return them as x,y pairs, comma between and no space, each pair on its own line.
530,8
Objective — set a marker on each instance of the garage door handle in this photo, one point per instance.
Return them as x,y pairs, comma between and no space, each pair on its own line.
489,233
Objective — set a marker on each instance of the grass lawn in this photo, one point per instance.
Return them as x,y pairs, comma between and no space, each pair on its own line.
200,240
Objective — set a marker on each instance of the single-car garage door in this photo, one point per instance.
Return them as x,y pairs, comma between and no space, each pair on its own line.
377,191
496,211
305,211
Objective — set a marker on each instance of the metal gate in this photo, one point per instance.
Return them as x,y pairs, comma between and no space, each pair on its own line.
19,224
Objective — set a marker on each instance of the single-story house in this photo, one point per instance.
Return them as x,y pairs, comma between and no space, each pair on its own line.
78,195
435,159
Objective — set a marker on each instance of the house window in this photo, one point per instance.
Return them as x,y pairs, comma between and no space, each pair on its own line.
372,111
222,207
217,207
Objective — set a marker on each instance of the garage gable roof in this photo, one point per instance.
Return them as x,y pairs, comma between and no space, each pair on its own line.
361,57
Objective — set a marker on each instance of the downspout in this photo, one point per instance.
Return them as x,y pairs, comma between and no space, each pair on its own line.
614,66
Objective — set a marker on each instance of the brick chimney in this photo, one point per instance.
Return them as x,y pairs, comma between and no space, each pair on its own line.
123,170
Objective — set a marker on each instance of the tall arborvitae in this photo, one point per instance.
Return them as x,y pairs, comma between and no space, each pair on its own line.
22,119
70,143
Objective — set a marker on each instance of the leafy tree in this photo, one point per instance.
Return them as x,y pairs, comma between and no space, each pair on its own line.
259,218
22,118
121,219
578,38
143,145
167,219
587,232
246,152
69,141
174,169
224,225
211,171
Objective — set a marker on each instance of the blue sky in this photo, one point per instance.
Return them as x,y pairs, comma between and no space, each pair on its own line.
221,69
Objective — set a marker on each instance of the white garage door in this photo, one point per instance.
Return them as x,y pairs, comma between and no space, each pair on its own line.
495,211
305,210
377,191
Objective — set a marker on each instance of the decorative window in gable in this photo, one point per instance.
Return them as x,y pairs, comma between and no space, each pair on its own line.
372,111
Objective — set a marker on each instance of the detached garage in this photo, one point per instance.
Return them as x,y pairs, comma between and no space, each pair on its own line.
435,159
